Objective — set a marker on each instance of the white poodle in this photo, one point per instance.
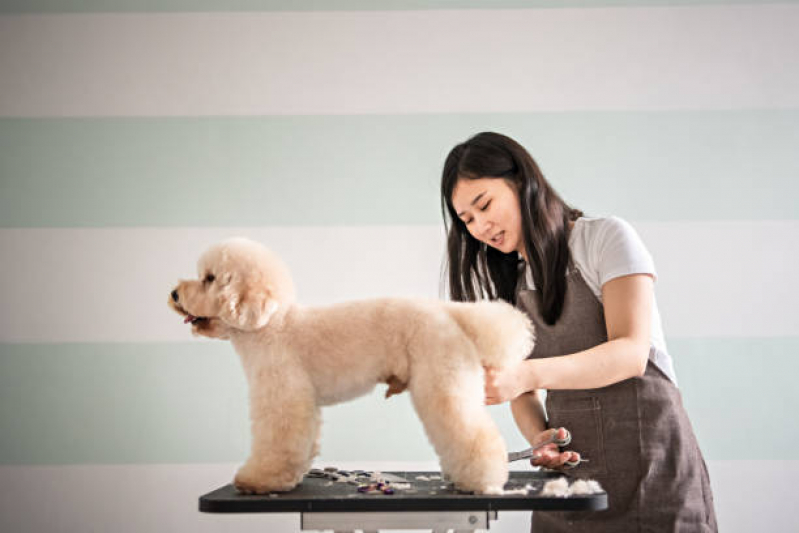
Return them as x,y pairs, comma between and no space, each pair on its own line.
298,359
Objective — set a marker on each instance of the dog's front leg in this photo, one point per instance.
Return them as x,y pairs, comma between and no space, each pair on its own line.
285,429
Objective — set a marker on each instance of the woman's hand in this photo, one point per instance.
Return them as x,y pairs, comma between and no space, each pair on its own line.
549,455
503,385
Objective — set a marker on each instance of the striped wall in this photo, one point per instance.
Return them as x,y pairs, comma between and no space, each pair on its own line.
133,134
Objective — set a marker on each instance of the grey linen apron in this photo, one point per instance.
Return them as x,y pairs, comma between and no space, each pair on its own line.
635,434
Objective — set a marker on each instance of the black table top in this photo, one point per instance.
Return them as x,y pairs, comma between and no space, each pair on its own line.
322,495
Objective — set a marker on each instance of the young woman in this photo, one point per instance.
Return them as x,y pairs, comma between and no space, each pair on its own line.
587,286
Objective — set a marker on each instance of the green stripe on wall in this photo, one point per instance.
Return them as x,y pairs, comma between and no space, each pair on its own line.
384,169
186,403
78,6
161,403
126,403
740,394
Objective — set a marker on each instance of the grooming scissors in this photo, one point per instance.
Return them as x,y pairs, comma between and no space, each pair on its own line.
530,452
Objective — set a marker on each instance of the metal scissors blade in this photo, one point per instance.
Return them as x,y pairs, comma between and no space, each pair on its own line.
530,452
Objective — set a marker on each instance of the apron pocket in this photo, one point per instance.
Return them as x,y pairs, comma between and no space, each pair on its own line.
583,418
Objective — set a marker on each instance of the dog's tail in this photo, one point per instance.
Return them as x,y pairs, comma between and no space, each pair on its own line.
501,333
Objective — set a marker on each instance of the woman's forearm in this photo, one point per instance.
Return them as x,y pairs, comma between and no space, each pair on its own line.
529,415
602,365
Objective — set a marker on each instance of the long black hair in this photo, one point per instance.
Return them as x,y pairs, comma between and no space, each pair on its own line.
478,271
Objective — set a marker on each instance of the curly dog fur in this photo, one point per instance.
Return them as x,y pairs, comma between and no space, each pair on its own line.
298,359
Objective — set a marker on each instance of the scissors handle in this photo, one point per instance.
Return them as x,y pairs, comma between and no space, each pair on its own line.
530,452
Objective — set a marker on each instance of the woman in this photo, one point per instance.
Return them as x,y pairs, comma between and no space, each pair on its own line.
587,286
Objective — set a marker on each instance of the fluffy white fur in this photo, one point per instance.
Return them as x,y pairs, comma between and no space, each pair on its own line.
298,359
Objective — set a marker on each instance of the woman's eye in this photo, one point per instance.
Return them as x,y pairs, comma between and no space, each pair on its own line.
485,206
209,278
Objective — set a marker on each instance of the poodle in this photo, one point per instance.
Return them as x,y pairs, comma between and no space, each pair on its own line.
298,359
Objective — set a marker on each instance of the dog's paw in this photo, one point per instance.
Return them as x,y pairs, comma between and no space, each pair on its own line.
246,489
248,481
493,490
263,487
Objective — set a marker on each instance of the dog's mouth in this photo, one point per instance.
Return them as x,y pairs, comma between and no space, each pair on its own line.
195,319
188,318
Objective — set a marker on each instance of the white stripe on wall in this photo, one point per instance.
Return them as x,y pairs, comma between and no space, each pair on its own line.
703,57
112,285
123,498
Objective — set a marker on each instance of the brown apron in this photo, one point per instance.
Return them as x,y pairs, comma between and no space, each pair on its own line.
635,434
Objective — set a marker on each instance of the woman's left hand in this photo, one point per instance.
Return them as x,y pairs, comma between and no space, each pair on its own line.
504,384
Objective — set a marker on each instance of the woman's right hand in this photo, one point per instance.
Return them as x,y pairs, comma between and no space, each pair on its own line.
549,455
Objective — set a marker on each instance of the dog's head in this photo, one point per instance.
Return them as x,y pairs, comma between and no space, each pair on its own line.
240,286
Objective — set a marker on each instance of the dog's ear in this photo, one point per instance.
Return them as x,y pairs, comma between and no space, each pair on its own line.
248,310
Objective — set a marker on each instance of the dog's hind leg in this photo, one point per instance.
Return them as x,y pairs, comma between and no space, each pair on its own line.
450,404
285,432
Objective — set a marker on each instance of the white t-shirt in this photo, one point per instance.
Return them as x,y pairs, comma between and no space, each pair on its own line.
605,248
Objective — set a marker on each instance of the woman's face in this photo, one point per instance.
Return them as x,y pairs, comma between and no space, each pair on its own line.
490,209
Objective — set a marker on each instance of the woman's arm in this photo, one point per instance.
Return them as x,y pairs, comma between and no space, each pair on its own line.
529,415
628,313
628,317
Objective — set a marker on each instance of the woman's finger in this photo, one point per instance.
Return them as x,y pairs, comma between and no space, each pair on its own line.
544,456
548,462
561,433
555,460
567,457
562,458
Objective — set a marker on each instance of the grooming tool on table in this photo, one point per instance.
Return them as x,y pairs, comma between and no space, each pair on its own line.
553,438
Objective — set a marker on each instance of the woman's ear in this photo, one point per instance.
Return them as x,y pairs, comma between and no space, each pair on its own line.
249,309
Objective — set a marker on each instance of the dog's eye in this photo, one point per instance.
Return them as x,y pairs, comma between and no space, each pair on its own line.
209,278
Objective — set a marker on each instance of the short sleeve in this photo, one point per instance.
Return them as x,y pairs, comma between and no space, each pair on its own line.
619,251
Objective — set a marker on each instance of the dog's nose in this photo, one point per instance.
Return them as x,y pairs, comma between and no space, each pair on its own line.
175,295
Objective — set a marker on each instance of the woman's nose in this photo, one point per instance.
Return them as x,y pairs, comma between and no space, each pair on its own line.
484,227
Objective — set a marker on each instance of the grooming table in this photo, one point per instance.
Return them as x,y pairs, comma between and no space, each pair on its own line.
433,504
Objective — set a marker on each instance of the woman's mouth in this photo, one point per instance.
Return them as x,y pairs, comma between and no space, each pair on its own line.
498,239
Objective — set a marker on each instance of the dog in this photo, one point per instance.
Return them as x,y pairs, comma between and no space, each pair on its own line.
298,359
